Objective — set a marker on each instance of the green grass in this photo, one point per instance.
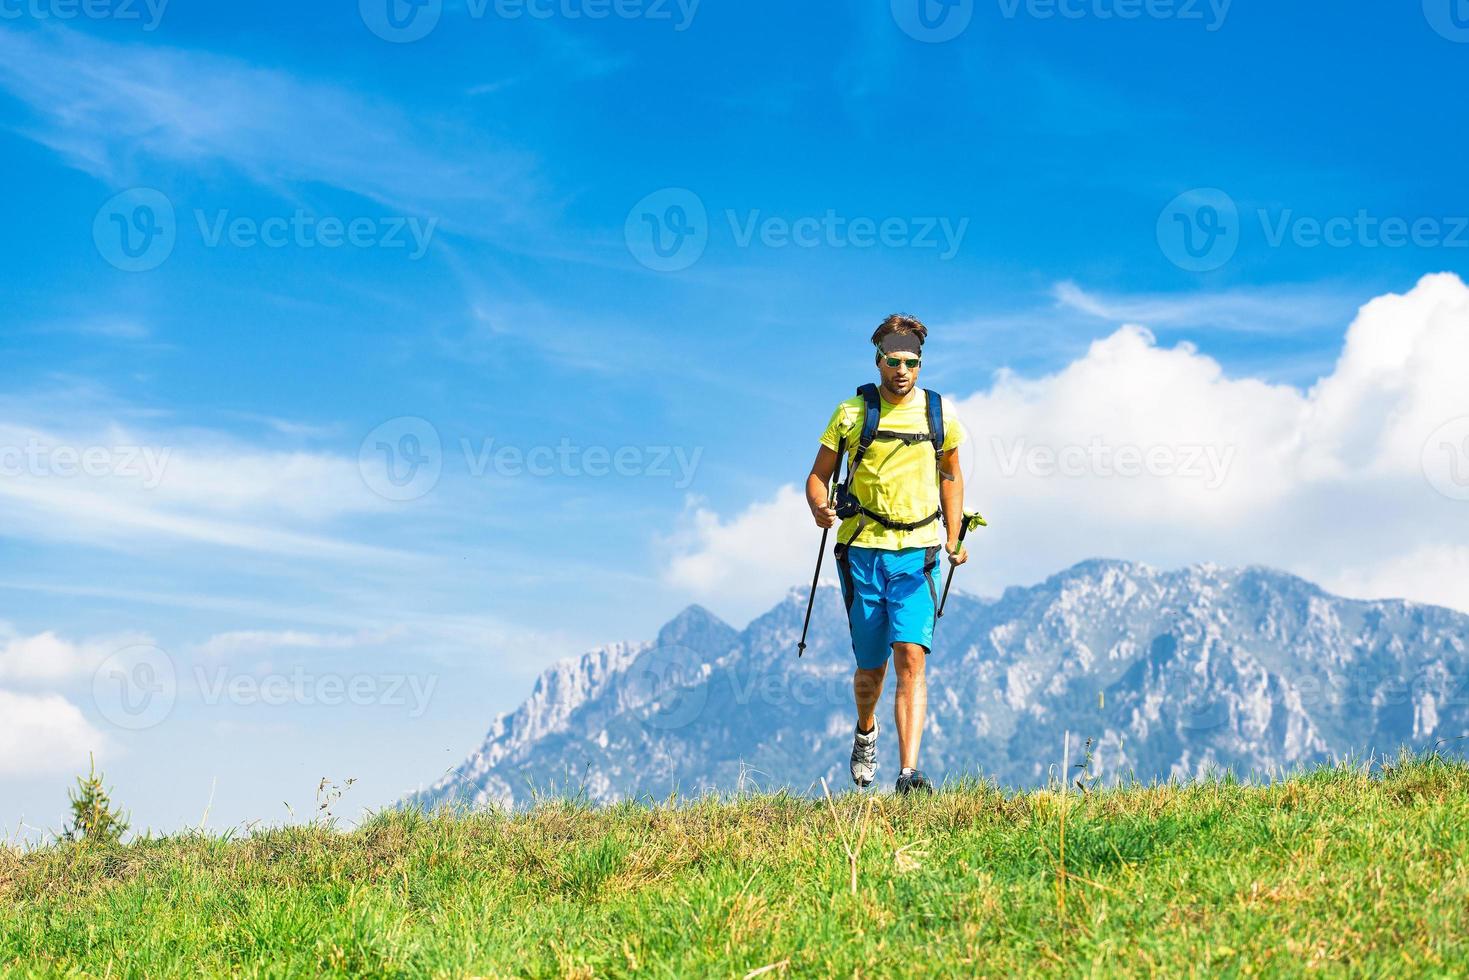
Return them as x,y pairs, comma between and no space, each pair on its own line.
1336,867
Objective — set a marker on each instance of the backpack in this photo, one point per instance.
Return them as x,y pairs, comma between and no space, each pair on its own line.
847,504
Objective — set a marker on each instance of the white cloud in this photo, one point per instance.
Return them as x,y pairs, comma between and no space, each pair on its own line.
109,327
108,108
1332,483
253,643
44,734
108,485
246,480
46,658
760,548
1267,310
1433,574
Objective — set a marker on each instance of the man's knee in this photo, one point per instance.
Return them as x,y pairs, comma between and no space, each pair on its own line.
909,659
869,680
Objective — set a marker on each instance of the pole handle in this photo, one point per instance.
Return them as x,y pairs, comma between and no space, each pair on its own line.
970,520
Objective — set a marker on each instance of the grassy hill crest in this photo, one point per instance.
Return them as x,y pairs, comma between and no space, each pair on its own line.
1351,863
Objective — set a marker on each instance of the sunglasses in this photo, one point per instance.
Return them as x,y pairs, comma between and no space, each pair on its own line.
910,362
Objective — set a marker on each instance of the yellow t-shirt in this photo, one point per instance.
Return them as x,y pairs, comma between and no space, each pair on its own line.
894,480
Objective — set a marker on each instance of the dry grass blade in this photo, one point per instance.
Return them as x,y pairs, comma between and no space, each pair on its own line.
1095,884
906,862
734,906
830,805
841,830
861,837
781,966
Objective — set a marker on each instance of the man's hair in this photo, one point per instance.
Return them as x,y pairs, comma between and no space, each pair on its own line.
899,323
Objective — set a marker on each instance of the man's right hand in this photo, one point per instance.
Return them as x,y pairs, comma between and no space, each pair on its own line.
825,516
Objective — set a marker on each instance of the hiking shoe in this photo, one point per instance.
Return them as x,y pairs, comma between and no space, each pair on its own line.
914,781
864,756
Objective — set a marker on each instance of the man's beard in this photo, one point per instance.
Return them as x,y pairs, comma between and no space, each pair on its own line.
892,388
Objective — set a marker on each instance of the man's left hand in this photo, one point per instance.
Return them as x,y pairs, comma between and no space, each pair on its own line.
958,554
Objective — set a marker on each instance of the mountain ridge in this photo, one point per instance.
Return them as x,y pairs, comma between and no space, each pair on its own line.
1170,671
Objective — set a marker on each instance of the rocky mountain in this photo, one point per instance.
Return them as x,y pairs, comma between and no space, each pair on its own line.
1170,673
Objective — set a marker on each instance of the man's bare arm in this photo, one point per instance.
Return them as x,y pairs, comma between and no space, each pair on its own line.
951,500
817,482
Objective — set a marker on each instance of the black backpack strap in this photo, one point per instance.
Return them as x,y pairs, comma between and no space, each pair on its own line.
936,429
873,409
906,438
892,525
836,474
935,421
846,503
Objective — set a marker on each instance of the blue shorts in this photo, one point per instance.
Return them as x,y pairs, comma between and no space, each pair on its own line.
890,597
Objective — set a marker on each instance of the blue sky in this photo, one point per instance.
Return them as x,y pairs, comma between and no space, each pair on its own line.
1035,175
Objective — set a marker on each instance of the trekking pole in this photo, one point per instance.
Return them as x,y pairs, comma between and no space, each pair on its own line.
970,520
821,552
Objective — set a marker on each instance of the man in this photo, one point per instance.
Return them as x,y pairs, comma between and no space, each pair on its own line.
887,550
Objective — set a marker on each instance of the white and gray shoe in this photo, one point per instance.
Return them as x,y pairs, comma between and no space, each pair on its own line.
864,756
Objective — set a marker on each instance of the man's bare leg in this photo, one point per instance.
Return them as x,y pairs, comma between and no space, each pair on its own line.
911,704
867,686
